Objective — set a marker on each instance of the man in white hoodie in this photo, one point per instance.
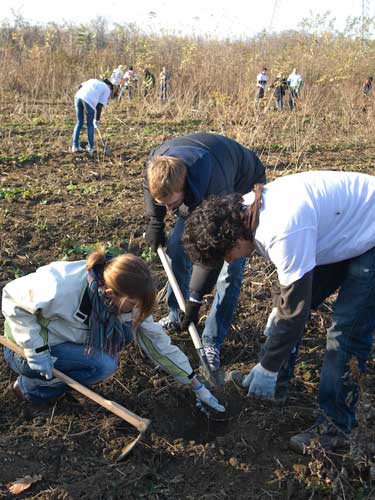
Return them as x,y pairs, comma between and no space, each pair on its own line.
261,84
317,228
294,83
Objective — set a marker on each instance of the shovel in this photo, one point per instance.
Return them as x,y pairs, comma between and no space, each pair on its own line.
140,423
205,367
107,149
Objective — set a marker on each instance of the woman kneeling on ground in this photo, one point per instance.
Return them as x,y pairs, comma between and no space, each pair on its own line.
77,317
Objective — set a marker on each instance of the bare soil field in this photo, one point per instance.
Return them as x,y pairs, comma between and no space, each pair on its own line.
56,205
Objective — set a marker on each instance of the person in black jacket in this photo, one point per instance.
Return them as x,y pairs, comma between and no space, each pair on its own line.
279,86
181,173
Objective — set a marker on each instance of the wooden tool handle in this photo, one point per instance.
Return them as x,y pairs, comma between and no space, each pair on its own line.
178,294
140,423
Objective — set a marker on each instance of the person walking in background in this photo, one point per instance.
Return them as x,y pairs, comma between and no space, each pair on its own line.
92,95
77,317
129,83
115,79
366,91
294,84
164,84
181,173
279,86
261,83
367,86
148,83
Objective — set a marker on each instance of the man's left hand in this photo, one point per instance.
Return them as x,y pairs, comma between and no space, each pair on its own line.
261,383
191,314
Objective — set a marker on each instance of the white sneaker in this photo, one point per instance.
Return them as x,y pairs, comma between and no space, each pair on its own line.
170,325
76,149
90,151
213,356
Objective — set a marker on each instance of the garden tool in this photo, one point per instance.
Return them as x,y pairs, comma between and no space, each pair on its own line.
205,367
107,149
140,423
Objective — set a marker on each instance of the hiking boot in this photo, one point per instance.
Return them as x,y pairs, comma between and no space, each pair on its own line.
77,149
213,357
237,377
170,325
317,436
30,409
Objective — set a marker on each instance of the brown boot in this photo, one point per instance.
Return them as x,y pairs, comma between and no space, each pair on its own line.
30,410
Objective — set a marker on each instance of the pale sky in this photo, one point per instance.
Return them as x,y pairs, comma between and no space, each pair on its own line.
218,18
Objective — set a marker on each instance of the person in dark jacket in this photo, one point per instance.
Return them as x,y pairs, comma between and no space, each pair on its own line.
279,86
181,173
148,83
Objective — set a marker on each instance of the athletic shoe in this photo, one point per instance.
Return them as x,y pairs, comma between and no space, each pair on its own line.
213,356
90,151
170,325
77,149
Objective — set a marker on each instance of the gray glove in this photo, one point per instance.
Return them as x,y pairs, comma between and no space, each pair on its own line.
204,395
261,382
42,363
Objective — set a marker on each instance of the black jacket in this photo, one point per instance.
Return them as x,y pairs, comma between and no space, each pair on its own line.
216,165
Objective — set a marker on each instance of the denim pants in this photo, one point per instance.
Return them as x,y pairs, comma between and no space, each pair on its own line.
81,108
279,102
349,337
293,95
71,360
228,288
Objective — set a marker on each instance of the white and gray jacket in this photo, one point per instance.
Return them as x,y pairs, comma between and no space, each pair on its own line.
50,306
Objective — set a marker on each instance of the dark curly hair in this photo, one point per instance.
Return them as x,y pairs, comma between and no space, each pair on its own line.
214,227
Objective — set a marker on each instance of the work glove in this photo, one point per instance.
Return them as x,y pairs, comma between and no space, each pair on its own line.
155,236
96,123
206,397
261,382
42,363
270,322
191,314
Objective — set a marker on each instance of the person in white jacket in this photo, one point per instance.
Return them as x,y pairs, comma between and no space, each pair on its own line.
77,317
92,95
116,77
295,82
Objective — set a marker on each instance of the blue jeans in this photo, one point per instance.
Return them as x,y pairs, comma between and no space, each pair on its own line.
81,108
228,288
350,336
279,102
293,96
71,360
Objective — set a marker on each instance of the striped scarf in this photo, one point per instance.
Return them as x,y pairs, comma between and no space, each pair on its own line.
106,332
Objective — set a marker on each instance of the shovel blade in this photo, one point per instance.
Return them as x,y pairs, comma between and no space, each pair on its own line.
128,448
